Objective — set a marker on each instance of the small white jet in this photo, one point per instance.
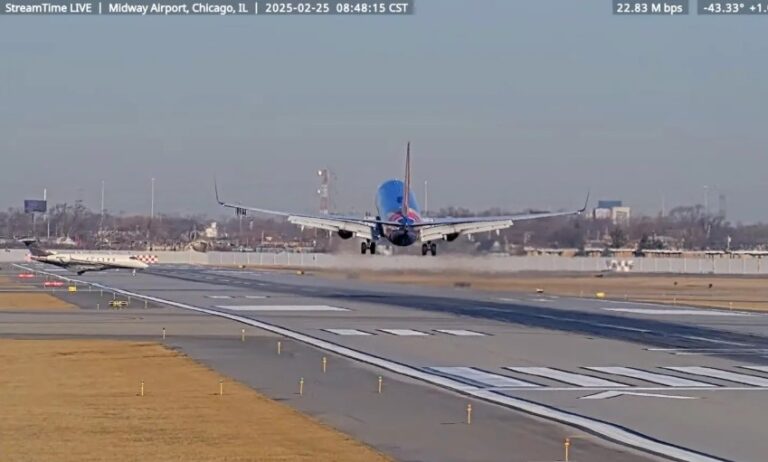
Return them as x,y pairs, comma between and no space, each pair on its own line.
83,262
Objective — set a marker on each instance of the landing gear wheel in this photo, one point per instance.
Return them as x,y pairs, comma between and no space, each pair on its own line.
424,249
363,248
372,246
433,249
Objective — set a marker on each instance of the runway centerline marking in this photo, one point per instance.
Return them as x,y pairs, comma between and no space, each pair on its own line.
281,308
566,377
715,341
219,297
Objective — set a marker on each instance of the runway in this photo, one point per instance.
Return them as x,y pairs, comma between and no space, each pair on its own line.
690,381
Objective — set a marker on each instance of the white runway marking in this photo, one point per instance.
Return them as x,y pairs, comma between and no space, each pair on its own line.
711,340
566,377
614,326
673,312
405,332
219,297
481,377
756,368
662,379
348,332
721,374
461,332
256,297
711,351
277,308
618,394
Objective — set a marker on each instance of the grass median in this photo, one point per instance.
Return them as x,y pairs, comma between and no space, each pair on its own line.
79,400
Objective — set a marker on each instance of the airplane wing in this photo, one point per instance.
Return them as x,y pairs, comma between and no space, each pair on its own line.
360,227
442,228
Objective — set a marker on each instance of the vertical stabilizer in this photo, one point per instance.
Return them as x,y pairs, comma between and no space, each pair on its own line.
34,248
407,180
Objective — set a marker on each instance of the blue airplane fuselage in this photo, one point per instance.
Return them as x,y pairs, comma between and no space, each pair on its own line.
389,203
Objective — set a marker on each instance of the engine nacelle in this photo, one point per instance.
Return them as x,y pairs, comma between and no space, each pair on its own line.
451,237
344,234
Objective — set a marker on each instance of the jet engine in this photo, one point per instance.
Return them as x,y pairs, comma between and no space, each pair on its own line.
344,234
451,237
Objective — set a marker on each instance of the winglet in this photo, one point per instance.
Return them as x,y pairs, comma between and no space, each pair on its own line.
586,203
216,190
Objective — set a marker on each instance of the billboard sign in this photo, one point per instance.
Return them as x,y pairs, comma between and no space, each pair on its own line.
34,205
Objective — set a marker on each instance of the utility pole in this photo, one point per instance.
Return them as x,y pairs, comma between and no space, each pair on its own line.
151,214
47,221
706,199
101,221
325,191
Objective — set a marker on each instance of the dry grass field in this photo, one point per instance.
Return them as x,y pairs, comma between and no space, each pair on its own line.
32,301
78,400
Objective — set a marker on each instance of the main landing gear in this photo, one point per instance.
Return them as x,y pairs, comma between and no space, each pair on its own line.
429,247
368,245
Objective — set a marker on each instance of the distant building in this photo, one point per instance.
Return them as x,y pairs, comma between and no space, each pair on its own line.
609,204
613,210
602,214
620,216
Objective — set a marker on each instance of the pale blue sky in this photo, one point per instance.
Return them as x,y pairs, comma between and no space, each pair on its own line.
510,104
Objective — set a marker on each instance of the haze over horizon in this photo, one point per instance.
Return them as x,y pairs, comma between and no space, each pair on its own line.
512,104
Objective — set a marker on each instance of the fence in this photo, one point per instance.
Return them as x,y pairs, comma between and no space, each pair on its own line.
722,265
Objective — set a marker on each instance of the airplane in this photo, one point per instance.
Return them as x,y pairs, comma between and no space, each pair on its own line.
83,262
399,219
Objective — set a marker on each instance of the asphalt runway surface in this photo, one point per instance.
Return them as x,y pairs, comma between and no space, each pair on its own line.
693,381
